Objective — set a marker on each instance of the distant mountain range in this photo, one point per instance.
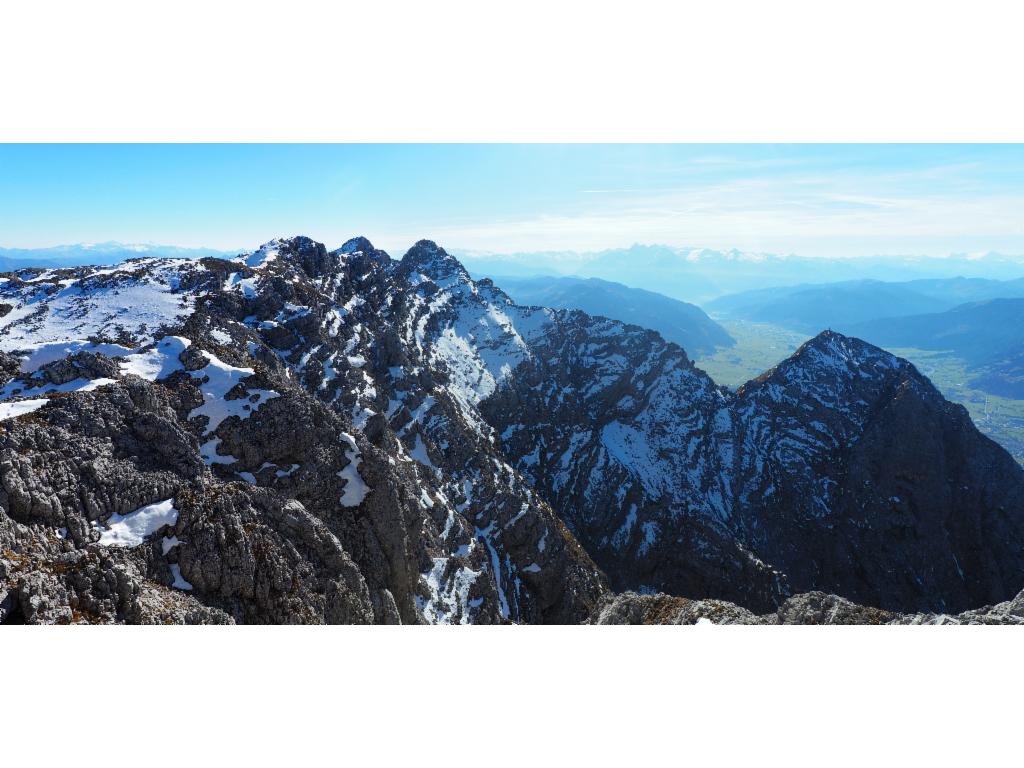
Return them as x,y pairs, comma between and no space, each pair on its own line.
987,335
979,321
1005,377
844,305
702,274
977,332
96,253
678,321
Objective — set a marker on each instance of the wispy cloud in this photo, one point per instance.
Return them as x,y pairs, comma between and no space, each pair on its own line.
930,210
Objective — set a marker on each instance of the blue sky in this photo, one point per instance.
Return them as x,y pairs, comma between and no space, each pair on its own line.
844,200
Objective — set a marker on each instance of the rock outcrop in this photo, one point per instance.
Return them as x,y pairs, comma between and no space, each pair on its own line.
816,608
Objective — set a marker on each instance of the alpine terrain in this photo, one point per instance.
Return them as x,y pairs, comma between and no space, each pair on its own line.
297,435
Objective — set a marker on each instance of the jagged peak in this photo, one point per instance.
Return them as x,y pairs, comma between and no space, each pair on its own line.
298,251
309,255
430,259
288,241
299,244
360,250
835,343
358,244
831,354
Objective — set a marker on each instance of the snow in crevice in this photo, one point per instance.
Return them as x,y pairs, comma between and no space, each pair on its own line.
650,535
448,600
419,453
621,536
495,564
250,477
216,379
132,529
355,488
179,580
168,543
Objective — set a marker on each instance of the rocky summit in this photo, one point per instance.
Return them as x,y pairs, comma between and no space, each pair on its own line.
297,435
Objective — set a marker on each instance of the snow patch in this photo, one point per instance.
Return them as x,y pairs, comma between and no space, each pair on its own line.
20,407
132,529
265,254
355,489
419,452
448,601
179,580
168,543
156,363
221,379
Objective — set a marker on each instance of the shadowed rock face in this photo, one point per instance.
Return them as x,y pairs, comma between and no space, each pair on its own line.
304,435
885,489
841,469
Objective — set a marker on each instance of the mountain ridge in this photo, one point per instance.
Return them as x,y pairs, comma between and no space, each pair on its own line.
985,334
346,437
851,305
701,275
683,323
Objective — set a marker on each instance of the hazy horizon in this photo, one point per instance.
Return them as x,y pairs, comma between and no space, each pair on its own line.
510,255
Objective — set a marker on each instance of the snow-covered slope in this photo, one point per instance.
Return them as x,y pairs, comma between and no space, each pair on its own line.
53,312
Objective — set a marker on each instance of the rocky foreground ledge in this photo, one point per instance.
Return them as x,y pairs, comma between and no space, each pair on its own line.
807,608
